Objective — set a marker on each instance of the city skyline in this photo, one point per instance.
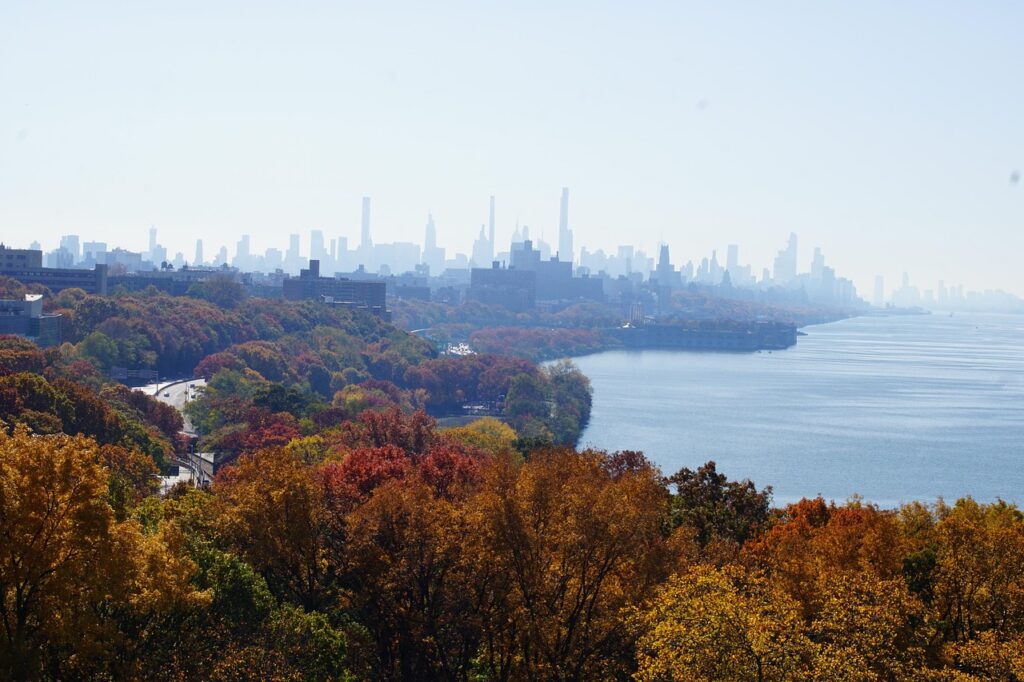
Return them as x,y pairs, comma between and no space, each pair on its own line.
820,281
695,130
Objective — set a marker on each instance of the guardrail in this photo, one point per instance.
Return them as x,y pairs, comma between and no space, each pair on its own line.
171,383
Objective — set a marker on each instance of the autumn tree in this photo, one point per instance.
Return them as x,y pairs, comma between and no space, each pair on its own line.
572,545
411,578
270,508
978,579
867,629
79,591
487,433
722,624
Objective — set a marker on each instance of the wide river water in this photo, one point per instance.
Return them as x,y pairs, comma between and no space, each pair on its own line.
892,408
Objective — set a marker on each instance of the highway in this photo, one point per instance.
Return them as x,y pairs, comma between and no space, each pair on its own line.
197,467
175,394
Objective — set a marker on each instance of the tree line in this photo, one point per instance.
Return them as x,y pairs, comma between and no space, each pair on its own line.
391,549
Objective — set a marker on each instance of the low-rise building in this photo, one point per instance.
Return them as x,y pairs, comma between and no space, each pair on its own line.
19,259
370,295
26,318
176,282
508,287
57,279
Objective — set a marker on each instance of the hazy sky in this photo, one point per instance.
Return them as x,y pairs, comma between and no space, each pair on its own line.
886,133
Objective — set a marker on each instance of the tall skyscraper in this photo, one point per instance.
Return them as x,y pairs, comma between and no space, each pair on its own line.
817,264
69,243
785,261
714,269
292,258
565,251
482,254
366,241
433,256
430,234
316,246
732,259
490,232
242,253
152,239
664,271
199,253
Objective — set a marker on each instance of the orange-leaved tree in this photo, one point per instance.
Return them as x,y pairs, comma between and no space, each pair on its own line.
571,542
77,587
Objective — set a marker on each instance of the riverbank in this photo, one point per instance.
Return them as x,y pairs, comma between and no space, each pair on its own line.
543,344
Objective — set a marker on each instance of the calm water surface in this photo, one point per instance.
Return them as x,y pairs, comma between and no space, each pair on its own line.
891,408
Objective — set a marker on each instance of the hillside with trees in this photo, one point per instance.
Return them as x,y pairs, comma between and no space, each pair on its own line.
351,537
583,328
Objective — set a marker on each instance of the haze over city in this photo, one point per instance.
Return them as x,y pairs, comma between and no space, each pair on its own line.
889,137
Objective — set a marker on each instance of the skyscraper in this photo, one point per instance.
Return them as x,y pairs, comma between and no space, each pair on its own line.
69,243
817,264
490,232
433,256
316,246
565,251
242,253
785,261
292,258
152,240
199,253
366,241
732,259
665,270
482,254
430,235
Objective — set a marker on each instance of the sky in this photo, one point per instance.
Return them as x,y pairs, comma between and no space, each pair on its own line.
888,134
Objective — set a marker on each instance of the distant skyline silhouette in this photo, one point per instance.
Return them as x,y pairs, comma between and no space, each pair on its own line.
889,136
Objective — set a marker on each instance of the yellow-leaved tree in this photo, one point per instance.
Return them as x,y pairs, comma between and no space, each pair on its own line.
722,624
78,588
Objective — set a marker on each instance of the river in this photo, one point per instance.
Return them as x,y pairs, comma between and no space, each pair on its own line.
894,408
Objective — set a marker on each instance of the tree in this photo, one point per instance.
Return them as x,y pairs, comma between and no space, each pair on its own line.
413,581
571,395
270,508
978,580
361,472
866,629
722,624
59,538
488,433
18,354
220,291
989,657
717,508
75,584
570,547
527,397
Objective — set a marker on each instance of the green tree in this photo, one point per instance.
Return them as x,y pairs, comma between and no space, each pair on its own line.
717,508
